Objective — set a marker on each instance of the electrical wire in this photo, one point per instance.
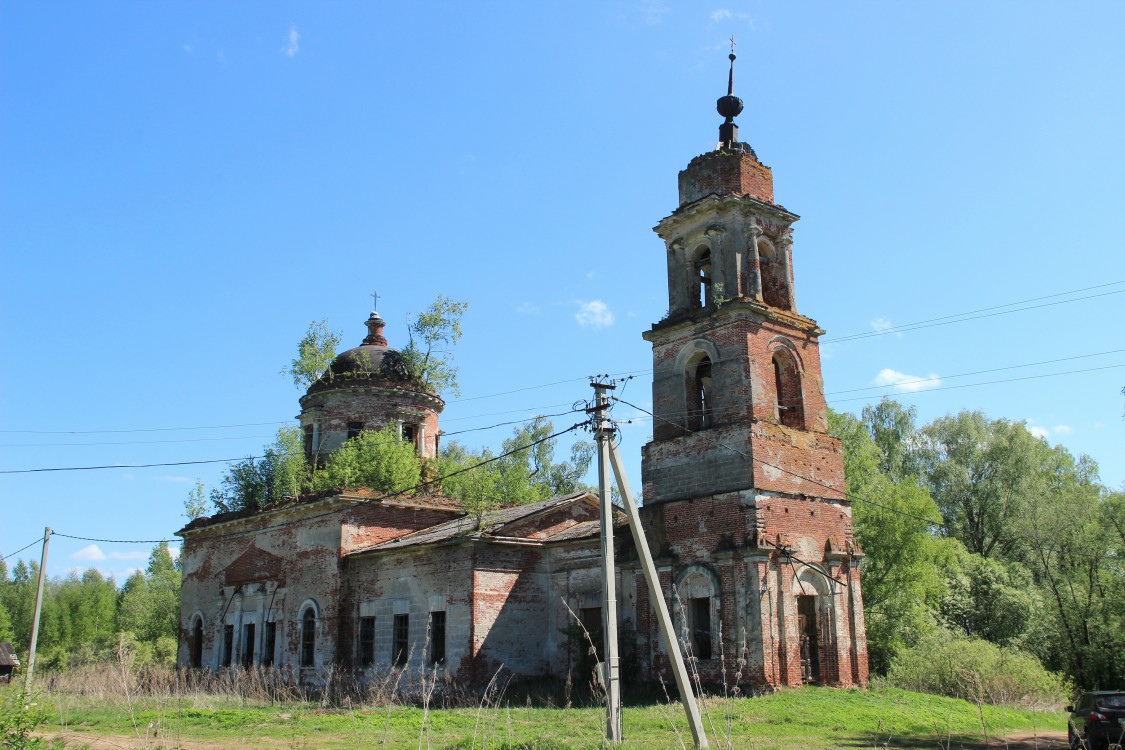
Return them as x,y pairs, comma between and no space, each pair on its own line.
140,429
305,519
21,549
973,314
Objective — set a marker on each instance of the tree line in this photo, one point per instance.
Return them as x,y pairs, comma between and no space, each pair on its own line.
86,618
979,534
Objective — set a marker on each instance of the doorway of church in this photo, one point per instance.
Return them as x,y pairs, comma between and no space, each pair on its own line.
807,622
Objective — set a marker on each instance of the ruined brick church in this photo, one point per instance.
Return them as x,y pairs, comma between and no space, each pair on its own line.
744,503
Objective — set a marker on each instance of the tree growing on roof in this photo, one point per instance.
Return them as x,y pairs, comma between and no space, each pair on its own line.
433,334
379,461
315,352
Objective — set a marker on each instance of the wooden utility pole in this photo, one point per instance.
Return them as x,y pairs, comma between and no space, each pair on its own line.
611,672
38,610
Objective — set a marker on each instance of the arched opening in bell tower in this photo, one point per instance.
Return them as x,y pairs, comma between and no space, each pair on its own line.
700,394
775,292
787,389
701,295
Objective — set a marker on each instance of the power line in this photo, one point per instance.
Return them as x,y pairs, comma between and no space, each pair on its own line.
128,466
132,442
140,429
991,382
983,312
977,372
848,495
305,519
21,549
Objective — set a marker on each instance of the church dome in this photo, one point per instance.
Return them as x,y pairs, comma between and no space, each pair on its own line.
369,387
371,359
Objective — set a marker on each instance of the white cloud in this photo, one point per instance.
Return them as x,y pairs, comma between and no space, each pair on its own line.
722,14
591,274
594,314
187,48
129,555
293,43
174,552
882,324
90,552
1062,429
527,308
1039,432
904,383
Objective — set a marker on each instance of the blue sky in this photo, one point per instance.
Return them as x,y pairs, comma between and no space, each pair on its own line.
183,187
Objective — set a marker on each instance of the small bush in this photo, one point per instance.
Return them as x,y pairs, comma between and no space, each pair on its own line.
979,671
20,714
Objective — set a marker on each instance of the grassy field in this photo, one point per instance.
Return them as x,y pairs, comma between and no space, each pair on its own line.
799,718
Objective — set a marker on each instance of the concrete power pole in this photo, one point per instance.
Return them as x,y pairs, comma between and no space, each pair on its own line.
611,672
38,610
608,457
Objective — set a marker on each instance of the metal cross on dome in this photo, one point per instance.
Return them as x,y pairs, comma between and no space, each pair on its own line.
375,299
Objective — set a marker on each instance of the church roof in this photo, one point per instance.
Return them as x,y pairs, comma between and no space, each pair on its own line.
496,523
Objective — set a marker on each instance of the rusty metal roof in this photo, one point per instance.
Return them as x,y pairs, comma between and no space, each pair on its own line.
8,656
492,525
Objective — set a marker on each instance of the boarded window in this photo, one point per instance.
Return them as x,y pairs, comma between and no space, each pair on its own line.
366,641
401,651
437,638
308,638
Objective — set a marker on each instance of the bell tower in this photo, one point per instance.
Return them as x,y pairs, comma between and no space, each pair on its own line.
743,485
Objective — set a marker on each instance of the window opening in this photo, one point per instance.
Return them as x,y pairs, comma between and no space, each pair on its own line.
308,438
703,279
270,644
197,644
248,645
308,637
807,638
437,638
408,433
787,384
366,641
700,412
699,624
228,644
590,641
354,428
401,650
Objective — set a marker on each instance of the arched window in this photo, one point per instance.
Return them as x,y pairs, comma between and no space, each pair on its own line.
196,644
308,637
700,398
701,297
787,387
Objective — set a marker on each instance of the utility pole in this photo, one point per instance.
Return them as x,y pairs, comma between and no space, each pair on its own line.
38,610
608,458
611,672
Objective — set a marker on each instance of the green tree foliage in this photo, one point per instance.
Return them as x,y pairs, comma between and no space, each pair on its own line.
982,473
252,484
527,475
315,351
433,334
195,505
380,461
894,525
